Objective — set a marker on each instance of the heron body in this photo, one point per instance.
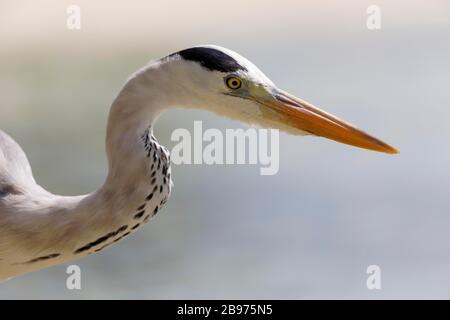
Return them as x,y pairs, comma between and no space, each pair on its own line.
39,229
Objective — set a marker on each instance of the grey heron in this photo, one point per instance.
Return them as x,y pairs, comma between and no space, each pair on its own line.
39,229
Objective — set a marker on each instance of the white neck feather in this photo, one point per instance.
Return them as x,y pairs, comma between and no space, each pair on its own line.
137,185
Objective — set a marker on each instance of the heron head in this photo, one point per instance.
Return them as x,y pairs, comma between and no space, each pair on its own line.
222,81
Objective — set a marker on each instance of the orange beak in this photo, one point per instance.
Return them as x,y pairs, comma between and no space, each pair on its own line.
304,116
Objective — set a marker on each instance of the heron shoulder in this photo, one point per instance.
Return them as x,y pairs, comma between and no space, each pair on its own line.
15,170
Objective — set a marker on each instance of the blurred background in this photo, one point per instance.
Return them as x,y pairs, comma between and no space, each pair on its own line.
308,232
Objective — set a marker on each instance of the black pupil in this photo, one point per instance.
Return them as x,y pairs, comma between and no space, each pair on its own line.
234,83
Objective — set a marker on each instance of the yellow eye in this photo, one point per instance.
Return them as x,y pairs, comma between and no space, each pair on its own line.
233,83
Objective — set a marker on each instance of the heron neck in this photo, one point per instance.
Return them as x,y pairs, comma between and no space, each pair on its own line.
133,182
131,116
134,111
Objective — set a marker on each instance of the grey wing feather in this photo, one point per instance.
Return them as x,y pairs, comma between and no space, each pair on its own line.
15,170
